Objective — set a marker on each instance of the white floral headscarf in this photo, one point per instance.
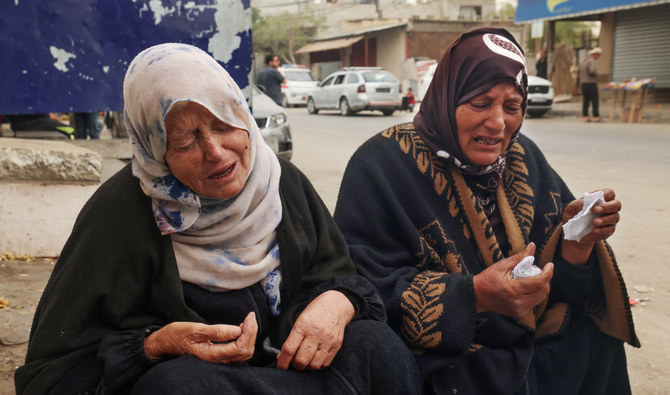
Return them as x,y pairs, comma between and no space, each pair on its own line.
219,244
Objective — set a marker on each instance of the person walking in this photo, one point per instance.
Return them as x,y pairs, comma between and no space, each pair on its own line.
588,79
270,79
86,124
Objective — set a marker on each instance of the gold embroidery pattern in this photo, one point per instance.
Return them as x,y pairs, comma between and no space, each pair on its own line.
550,216
422,310
434,241
518,191
410,143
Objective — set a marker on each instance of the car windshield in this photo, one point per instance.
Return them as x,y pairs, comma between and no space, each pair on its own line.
292,75
378,76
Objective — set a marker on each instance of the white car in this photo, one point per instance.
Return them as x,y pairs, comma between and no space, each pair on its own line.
355,89
271,120
540,96
299,81
424,82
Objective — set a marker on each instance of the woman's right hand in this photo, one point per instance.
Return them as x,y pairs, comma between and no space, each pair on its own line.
497,291
212,343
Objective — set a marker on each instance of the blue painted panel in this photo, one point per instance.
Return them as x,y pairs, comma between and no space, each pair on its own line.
72,55
528,10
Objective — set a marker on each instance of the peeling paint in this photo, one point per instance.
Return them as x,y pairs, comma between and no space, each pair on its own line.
159,11
61,56
97,60
226,39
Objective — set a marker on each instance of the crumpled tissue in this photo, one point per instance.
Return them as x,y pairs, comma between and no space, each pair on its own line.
582,223
525,268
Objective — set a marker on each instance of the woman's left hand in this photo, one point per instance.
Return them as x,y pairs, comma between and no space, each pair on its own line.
318,332
604,225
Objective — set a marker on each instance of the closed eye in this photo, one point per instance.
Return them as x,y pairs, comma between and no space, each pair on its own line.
183,141
479,105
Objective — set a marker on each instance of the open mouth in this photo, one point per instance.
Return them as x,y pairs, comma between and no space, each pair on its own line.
225,172
487,141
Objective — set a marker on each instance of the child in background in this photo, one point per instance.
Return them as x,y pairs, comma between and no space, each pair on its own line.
409,98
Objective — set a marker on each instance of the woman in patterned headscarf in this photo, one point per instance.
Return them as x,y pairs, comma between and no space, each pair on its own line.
437,213
207,265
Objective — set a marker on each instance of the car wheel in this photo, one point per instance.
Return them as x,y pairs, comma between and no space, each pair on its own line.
284,101
388,113
311,107
344,107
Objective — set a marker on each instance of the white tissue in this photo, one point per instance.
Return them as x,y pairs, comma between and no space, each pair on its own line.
582,223
525,268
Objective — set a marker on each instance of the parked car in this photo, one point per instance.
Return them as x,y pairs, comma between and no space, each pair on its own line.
540,96
354,89
273,123
299,81
270,118
425,80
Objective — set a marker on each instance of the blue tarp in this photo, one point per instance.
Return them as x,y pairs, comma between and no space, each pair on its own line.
533,10
72,55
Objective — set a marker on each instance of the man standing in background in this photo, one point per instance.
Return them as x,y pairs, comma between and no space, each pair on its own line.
588,79
541,65
270,79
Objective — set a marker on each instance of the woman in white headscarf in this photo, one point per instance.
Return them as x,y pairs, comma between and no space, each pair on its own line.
207,265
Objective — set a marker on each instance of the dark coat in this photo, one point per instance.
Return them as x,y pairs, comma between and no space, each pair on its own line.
415,231
118,275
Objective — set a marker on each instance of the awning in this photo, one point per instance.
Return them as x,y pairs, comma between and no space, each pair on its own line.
329,44
539,10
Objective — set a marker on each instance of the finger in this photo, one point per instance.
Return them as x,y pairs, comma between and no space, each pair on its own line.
320,357
603,232
217,333
608,194
547,272
289,349
610,207
247,339
332,352
305,354
606,220
518,257
529,250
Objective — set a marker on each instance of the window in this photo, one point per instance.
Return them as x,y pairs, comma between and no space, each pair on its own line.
470,13
328,81
293,75
352,78
339,79
379,76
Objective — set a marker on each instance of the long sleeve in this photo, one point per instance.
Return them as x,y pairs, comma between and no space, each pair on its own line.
98,287
124,359
314,255
430,309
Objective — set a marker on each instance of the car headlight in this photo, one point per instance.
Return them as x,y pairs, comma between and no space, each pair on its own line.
277,119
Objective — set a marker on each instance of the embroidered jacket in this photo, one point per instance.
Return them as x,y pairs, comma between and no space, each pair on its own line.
414,229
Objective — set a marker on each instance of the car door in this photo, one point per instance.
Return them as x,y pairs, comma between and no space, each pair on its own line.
320,94
336,91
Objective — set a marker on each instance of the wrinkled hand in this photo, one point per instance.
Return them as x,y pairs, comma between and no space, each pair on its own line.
498,292
604,225
317,334
205,341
